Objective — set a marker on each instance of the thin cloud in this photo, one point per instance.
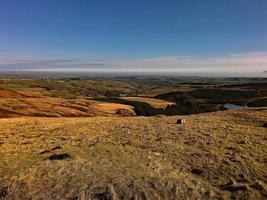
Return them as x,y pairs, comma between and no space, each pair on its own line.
247,62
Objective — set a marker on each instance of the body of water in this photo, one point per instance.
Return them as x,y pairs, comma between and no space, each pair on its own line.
230,106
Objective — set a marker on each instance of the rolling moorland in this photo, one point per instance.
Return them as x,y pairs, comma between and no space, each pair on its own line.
145,96
118,138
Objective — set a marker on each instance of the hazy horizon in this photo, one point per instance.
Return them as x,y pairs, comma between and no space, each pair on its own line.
103,74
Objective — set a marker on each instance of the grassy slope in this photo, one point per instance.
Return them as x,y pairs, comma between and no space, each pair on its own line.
156,103
56,107
14,104
213,155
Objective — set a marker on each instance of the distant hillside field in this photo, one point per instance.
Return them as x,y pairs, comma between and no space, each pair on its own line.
156,103
55,107
14,104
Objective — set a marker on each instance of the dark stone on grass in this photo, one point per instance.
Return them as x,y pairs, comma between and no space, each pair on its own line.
241,176
59,156
231,148
4,192
264,125
242,142
180,121
196,171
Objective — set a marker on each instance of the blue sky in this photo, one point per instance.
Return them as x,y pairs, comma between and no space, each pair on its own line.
161,35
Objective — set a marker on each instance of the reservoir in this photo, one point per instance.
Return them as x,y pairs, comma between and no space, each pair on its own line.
230,106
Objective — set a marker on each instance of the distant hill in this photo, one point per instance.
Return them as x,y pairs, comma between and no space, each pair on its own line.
14,104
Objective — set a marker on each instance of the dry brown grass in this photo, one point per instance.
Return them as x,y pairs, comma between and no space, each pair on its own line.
56,107
111,108
218,155
32,103
4,93
156,103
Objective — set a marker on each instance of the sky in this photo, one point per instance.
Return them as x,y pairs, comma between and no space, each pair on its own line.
128,36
